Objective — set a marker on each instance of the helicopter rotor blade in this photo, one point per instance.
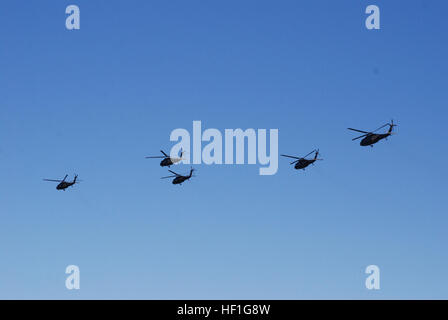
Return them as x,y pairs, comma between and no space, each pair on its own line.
175,173
168,177
164,154
360,136
385,125
52,180
309,154
358,130
155,157
293,157
295,161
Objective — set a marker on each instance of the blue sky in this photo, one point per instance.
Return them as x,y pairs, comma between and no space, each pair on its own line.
97,100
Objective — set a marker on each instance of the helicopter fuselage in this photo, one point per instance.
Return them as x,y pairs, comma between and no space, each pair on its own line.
303,163
180,179
167,162
64,185
373,138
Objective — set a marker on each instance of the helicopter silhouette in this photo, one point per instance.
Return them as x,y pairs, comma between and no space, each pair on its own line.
64,184
301,162
167,160
178,178
370,138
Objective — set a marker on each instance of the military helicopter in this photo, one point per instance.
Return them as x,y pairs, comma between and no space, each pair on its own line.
370,138
178,178
167,160
301,162
64,184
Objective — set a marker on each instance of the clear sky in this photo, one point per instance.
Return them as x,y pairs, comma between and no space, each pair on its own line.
96,101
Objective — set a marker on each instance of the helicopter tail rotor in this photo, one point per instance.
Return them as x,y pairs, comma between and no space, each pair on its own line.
317,155
391,126
182,154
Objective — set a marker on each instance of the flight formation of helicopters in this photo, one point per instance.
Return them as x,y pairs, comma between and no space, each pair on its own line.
300,163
